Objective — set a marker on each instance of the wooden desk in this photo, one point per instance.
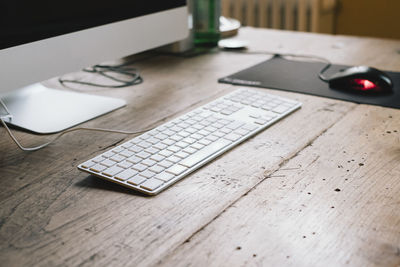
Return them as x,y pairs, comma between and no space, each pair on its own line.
319,188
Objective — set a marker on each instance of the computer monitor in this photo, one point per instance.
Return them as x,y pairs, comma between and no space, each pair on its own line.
44,39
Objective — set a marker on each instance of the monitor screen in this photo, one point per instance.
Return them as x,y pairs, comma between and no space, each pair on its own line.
27,21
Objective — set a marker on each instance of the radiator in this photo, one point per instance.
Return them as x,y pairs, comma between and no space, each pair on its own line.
300,15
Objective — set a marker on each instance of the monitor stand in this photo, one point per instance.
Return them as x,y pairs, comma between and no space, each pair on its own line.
42,110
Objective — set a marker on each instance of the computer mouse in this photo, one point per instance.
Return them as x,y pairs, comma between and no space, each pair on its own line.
361,79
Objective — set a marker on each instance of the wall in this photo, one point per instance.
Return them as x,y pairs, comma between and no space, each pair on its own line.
378,18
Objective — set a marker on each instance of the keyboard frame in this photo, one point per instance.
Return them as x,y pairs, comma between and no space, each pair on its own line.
206,160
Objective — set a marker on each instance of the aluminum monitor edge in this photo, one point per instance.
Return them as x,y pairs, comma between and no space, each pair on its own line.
37,61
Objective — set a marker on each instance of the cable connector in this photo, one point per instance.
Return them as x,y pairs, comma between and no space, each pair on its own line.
4,112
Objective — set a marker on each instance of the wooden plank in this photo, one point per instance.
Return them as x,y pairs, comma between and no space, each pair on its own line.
276,14
302,15
289,14
238,9
250,12
263,13
315,15
336,203
226,8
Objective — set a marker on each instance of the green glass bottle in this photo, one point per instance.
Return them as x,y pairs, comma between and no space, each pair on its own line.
206,15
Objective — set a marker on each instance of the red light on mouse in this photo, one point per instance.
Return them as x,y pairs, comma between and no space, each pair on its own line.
365,85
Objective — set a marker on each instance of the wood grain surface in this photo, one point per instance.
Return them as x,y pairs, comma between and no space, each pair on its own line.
268,201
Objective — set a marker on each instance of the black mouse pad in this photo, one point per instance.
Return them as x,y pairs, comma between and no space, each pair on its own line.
302,77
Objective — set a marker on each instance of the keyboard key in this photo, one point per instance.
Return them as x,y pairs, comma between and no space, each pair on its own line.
232,137
196,136
166,153
113,171
219,134
225,130
183,134
152,184
117,149
176,128
255,116
176,169
98,168
145,136
144,144
127,145
191,130
88,164
168,132
204,153
203,132
189,140
197,146
198,126
108,163
261,122
143,155
126,174
160,146
149,162
181,154
173,159
205,142
108,154
134,159
190,150
174,148
212,138
164,176
211,129
147,174
280,109
139,167
137,180
176,137
152,150
161,136
154,132
126,153
166,163
135,149
125,164
98,159
168,142
226,112
157,157
267,107
217,125
250,127
241,131
153,140
234,125
117,158
157,169
135,141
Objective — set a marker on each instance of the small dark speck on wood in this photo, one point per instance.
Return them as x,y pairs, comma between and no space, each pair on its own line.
337,190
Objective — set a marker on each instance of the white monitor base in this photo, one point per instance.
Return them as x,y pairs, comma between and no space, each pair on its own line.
43,110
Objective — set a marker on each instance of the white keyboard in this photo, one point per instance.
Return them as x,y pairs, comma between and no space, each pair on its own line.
151,162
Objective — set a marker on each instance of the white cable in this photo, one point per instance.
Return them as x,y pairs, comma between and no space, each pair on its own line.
61,134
